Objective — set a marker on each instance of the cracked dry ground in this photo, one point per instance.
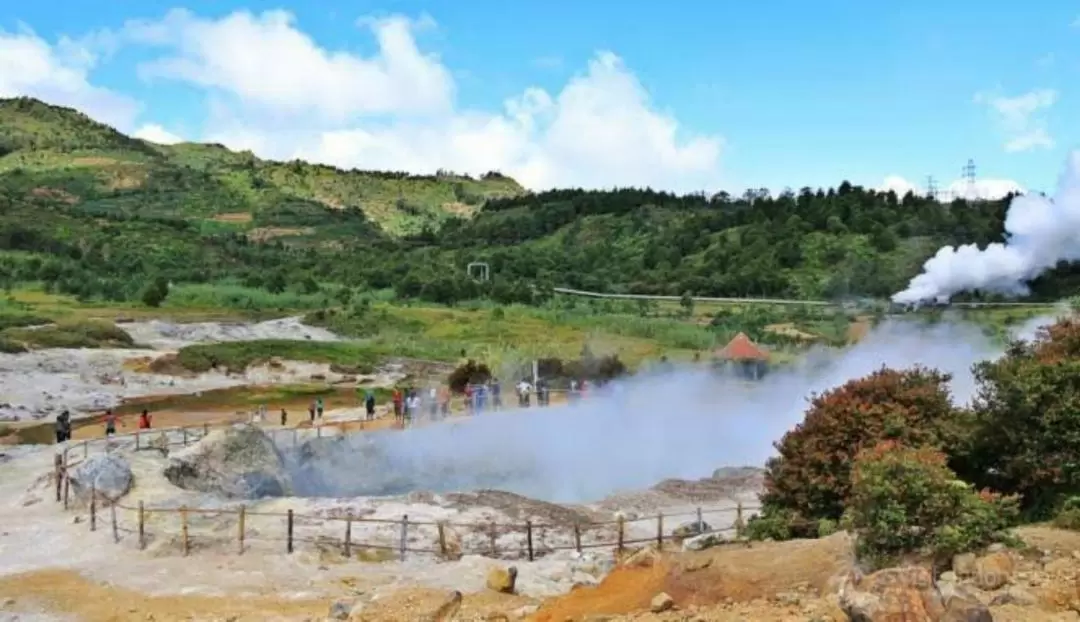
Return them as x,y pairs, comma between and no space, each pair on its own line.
766,581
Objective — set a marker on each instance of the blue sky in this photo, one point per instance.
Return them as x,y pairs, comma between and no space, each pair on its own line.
714,95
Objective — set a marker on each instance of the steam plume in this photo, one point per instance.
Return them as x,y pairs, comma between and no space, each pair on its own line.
1040,232
682,424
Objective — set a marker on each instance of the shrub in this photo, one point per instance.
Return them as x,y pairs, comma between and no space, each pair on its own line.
78,334
1068,517
907,501
470,372
1027,432
811,476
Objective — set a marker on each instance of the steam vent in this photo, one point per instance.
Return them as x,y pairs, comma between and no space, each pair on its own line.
743,357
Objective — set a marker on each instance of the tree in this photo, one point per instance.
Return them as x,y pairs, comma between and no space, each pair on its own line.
811,475
155,292
1027,420
687,304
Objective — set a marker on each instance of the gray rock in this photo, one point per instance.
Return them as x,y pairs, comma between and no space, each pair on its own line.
238,462
108,474
661,602
702,542
691,529
340,610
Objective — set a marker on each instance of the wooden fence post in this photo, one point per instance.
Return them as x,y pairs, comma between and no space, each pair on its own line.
493,534
205,429
58,469
622,533
184,432
318,430
85,449
348,535
142,526
115,526
528,538
184,530
577,537
67,486
289,533
442,540
138,443
93,509
739,524
240,529
404,535
660,531
295,436
700,523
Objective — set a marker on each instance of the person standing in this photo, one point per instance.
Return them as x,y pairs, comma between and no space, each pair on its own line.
319,407
523,390
399,403
433,403
444,401
311,412
284,418
369,404
60,436
110,423
469,399
144,420
496,394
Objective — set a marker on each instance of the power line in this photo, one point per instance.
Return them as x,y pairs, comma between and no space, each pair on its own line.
931,187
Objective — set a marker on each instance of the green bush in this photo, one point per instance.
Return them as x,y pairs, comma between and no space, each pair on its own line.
77,334
907,501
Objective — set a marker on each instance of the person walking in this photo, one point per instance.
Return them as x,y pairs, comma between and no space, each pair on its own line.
444,401
144,420
311,412
284,418
523,390
433,403
319,408
60,436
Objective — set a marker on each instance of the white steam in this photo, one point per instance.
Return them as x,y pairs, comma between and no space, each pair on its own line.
1040,232
680,424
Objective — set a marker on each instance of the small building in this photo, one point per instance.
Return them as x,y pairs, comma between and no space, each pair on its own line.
744,357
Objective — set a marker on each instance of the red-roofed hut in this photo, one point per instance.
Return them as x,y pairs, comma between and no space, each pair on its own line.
744,356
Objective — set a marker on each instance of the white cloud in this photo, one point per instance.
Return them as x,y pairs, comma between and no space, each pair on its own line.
157,134
59,74
600,130
264,61
986,189
1021,119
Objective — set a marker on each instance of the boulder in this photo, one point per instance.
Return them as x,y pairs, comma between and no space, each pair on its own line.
691,529
994,570
964,564
501,579
906,594
661,602
240,462
108,474
704,541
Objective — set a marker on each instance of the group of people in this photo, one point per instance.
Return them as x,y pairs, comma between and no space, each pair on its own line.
109,419
410,403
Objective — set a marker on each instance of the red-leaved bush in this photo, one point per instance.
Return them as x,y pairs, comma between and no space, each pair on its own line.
811,477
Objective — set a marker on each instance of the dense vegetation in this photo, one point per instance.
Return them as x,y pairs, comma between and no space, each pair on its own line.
889,457
91,212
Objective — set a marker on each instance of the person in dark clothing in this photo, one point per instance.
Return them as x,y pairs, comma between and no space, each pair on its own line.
311,412
110,423
496,394
284,417
60,429
369,404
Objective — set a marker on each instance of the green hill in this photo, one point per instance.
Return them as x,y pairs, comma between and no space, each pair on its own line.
59,152
90,212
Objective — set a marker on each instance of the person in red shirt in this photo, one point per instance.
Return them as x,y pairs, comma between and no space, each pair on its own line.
398,403
144,420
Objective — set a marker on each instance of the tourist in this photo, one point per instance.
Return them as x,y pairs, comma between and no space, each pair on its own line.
110,423
284,418
144,420
523,390
469,399
398,400
572,394
311,412
369,404
444,400
66,415
412,405
481,398
496,394
60,437
319,407
433,402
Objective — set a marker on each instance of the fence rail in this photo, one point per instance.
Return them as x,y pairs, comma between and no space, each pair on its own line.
201,527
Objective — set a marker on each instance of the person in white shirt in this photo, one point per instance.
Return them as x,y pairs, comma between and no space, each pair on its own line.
523,390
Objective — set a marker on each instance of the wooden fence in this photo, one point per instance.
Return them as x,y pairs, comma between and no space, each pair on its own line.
528,540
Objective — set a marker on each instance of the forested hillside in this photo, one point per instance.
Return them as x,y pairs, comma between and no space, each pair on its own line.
92,212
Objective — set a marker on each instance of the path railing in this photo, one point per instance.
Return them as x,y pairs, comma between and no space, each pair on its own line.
186,529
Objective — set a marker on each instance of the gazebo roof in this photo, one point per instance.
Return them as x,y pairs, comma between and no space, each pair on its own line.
740,348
